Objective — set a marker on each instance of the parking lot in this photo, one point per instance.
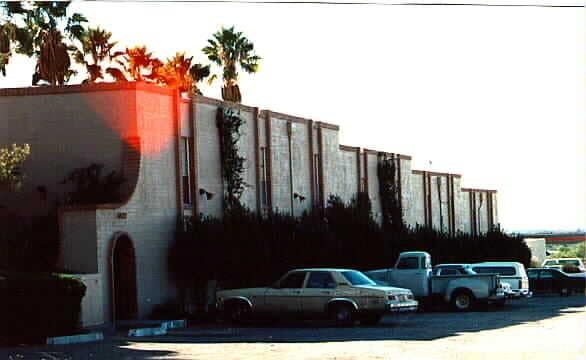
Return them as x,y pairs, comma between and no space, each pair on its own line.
545,327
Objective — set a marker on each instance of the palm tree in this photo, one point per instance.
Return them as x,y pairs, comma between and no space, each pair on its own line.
140,65
96,44
42,36
7,35
53,62
179,72
231,50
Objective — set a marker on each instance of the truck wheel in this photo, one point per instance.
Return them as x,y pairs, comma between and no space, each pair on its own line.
462,300
237,312
342,314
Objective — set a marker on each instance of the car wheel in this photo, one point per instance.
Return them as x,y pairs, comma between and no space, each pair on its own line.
462,300
342,314
370,319
237,312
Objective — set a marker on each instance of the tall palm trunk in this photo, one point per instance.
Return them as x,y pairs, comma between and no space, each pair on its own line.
53,61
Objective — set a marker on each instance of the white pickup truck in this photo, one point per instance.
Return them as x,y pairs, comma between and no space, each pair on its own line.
413,271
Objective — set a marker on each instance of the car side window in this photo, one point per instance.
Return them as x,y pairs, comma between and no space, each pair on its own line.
546,275
320,280
408,263
532,274
293,280
449,272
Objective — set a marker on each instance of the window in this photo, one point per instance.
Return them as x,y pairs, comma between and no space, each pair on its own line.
293,280
320,280
546,274
450,272
500,270
264,196
357,278
532,274
185,170
408,263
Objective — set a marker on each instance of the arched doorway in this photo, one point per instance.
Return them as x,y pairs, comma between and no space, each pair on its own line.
124,296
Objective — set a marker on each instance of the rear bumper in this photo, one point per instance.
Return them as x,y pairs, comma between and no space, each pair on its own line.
402,306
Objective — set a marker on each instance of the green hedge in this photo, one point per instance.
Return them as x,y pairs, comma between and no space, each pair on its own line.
243,249
39,304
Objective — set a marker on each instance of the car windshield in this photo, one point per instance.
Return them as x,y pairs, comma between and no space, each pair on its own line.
569,262
357,278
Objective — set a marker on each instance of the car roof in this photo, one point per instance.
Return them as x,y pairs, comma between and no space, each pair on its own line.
322,269
462,265
497,263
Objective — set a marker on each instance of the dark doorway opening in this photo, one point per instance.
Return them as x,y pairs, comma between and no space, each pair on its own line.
124,279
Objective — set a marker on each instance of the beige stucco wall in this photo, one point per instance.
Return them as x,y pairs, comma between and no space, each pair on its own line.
151,212
65,132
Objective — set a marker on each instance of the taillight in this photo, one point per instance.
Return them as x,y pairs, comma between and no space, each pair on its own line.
393,297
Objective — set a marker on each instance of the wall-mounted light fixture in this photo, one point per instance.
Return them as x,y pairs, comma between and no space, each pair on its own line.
299,197
204,193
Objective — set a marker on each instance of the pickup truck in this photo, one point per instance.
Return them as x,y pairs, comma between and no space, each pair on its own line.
413,271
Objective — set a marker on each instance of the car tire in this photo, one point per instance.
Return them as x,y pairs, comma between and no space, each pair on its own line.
462,300
370,319
237,312
342,314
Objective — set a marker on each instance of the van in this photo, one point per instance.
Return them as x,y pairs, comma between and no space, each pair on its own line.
512,273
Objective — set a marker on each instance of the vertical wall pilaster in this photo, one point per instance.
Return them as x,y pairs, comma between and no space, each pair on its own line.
257,158
269,161
193,168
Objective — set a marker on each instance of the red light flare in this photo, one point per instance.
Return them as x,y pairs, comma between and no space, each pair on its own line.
130,113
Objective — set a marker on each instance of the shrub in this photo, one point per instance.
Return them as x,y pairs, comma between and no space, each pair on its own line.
39,304
244,249
29,243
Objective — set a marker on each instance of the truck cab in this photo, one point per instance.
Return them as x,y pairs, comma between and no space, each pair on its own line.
413,270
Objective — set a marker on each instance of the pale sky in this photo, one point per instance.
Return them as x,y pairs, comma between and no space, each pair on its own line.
496,94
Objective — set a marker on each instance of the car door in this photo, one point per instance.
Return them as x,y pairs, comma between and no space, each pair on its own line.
413,273
319,289
534,283
285,298
546,281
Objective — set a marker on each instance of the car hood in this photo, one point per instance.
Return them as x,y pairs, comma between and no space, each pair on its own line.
390,289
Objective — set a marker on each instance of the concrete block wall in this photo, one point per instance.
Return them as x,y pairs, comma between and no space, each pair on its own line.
348,173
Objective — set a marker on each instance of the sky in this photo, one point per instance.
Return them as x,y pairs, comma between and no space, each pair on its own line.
496,94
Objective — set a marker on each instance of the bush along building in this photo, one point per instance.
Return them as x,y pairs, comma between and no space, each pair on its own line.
122,165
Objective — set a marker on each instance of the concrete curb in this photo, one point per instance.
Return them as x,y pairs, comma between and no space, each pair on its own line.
76,339
157,331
